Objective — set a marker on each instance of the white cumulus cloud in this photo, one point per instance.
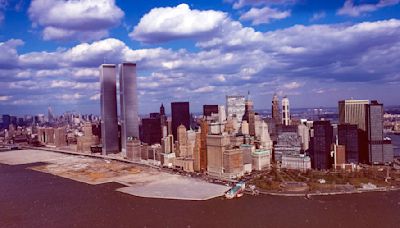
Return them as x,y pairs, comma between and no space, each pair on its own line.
169,23
264,15
75,19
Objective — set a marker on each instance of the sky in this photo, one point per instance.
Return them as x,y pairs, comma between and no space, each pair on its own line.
315,52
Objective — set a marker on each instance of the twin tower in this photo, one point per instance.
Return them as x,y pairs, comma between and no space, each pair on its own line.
128,106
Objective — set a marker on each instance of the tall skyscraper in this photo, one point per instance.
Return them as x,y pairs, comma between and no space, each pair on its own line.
249,116
180,115
321,145
151,131
235,106
129,103
276,115
285,111
350,136
108,104
375,137
353,112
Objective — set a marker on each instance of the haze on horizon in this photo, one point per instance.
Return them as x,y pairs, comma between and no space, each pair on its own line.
315,52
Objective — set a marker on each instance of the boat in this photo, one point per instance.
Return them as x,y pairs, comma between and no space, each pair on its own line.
236,192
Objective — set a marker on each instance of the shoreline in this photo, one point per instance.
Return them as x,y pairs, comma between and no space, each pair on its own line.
260,191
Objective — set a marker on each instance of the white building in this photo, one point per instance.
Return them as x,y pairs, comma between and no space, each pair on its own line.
235,106
285,111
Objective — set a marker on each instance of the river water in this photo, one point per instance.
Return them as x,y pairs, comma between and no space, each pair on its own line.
33,199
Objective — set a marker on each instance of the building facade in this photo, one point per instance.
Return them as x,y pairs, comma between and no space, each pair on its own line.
180,113
108,109
235,106
321,145
285,111
129,103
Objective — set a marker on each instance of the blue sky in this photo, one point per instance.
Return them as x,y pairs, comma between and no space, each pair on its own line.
315,52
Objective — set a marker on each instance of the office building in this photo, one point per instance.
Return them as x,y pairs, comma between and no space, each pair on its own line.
196,151
375,137
321,145
350,136
264,137
129,103
353,112
304,132
285,111
233,163
216,146
235,106
167,145
133,149
261,159
203,145
151,129
88,139
210,109
249,116
108,103
276,115
180,115
182,141
296,162
52,136
288,143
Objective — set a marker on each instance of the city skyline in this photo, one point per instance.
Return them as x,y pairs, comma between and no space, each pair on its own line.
315,53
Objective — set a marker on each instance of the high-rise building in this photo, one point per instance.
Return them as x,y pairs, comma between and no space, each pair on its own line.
285,111
167,144
209,109
276,115
203,145
353,112
180,115
321,145
129,103
249,116
304,133
216,146
288,143
221,115
350,136
6,120
375,137
50,114
108,103
182,141
233,163
235,106
264,137
151,131
196,151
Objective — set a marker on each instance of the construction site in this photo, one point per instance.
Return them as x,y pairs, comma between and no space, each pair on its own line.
138,180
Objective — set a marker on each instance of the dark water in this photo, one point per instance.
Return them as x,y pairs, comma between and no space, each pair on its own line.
33,199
